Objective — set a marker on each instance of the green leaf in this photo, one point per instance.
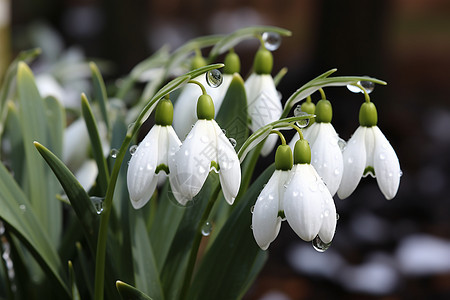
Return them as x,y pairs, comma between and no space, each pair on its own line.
17,212
320,82
40,184
73,285
100,92
188,48
240,35
232,115
16,155
202,70
145,270
78,197
216,277
56,122
97,149
127,292
168,216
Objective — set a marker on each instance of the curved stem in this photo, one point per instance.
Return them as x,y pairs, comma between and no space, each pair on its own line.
300,132
196,243
283,140
366,95
322,94
200,85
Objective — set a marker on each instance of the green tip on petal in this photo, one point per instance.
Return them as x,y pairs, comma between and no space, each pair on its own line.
164,113
205,108
283,158
302,152
263,62
368,116
232,63
324,111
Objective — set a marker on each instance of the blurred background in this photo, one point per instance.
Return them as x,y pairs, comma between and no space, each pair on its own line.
398,249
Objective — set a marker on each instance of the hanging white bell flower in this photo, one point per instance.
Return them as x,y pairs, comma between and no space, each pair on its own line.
263,100
205,147
326,154
308,205
185,109
152,156
268,209
369,152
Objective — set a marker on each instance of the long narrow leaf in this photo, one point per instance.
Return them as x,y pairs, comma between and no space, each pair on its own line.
127,292
100,92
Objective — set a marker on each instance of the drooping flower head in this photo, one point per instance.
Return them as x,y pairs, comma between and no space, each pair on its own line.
152,156
326,154
263,100
369,152
204,148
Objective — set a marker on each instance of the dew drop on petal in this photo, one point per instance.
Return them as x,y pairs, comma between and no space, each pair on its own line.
382,156
214,78
368,86
326,213
133,149
341,144
272,40
114,153
350,160
98,204
224,131
22,207
337,216
232,142
319,245
336,172
252,209
400,174
206,228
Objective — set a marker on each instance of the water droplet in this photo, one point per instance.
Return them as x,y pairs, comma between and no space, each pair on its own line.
368,86
400,174
206,228
350,160
337,216
186,152
299,113
130,126
224,131
319,245
272,40
326,213
294,193
271,197
22,207
252,209
390,174
336,172
98,204
201,170
133,149
341,144
313,187
114,153
232,142
382,156
214,78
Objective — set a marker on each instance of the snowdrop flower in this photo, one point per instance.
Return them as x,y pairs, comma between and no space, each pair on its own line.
369,152
326,153
263,100
152,156
185,109
205,147
268,209
308,205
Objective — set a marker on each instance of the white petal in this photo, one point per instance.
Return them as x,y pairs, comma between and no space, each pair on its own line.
141,179
326,156
220,92
269,144
264,104
386,165
76,142
293,141
169,143
354,158
185,109
87,174
303,202
265,221
230,168
193,159
310,133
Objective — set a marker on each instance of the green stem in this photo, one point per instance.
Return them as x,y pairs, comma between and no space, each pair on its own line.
322,94
283,140
200,85
196,243
366,95
300,133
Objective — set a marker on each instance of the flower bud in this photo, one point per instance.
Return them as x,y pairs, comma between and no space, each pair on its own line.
197,62
205,107
283,158
368,116
263,61
232,63
302,152
324,111
164,113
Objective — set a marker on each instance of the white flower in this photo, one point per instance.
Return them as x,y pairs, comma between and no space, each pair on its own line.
264,105
266,221
326,155
367,150
308,205
205,146
150,157
185,109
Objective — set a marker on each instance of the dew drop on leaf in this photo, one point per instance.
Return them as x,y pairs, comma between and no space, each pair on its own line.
272,40
214,78
368,86
114,153
206,228
133,149
98,204
232,142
